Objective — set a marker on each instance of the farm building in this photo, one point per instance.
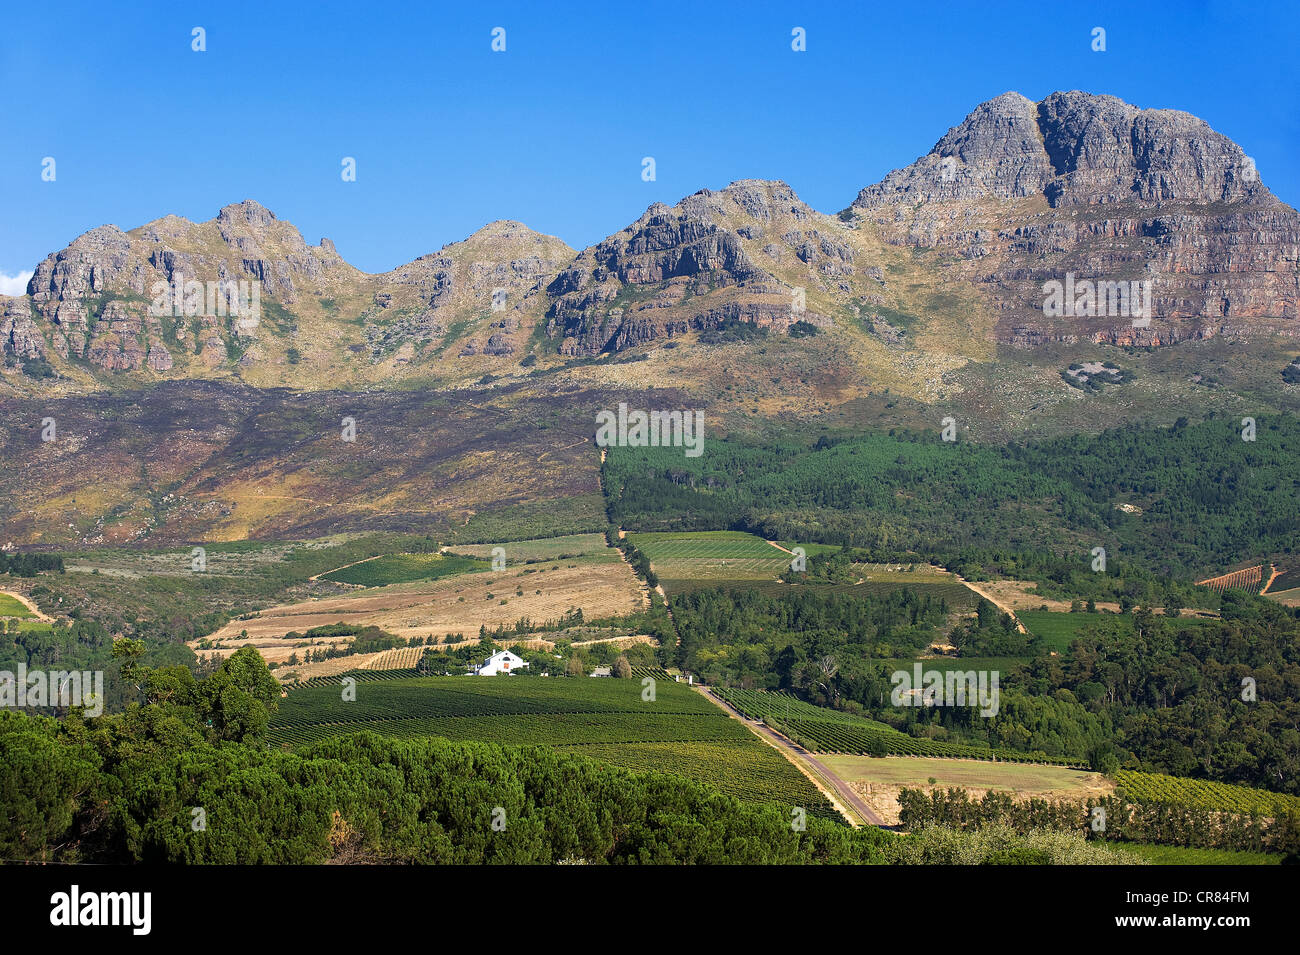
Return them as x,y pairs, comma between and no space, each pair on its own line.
602,671
502,661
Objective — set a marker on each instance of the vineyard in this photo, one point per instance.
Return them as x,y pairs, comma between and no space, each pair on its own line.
830,731
1250,578
958,596
678,732
361,676
747,769
531,551
734,545
398,658
403,568
1202,794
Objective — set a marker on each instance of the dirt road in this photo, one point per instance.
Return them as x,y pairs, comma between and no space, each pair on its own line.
835,789
1000,604
29,604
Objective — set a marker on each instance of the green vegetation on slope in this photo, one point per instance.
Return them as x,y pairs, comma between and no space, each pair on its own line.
1208,498
402,568
677,730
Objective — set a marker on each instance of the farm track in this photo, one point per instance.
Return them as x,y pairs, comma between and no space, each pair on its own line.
1000,604
1276,573
29,604
832,786
344,567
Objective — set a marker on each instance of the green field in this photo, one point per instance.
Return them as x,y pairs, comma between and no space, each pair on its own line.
811,549
678,732
1003,665
735,545
1177,855
959,597
531,551
1057,630
968,774
1202,794
26,626
824,730
702,560
13,607
403,568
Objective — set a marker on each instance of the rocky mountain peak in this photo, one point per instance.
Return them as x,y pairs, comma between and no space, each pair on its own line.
1074,148
1096,188
507,229
247,212
718,257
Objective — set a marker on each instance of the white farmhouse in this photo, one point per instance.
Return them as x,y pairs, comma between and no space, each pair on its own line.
503,661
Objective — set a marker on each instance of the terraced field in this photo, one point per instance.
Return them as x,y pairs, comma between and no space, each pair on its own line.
334,681
398,658
679,731
1250,578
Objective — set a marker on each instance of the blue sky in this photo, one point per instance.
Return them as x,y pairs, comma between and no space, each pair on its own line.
448,135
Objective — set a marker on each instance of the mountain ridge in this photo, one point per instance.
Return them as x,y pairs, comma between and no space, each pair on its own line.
1017,195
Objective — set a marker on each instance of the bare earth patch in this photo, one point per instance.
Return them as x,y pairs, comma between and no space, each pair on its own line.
1019,594
603,587
879,780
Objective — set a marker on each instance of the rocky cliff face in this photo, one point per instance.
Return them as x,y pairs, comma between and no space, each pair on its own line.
97,304
1090,187
1077,190
19,335
100,296
742,254
486,293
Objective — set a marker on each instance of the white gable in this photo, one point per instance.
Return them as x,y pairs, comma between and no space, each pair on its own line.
503,661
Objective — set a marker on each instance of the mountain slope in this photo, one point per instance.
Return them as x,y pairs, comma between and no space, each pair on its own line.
929,288
1023,193
116,302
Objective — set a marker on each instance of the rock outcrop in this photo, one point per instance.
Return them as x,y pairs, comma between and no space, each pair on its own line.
1090,187
19,336
1081,190
100,295
491,283
710,260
